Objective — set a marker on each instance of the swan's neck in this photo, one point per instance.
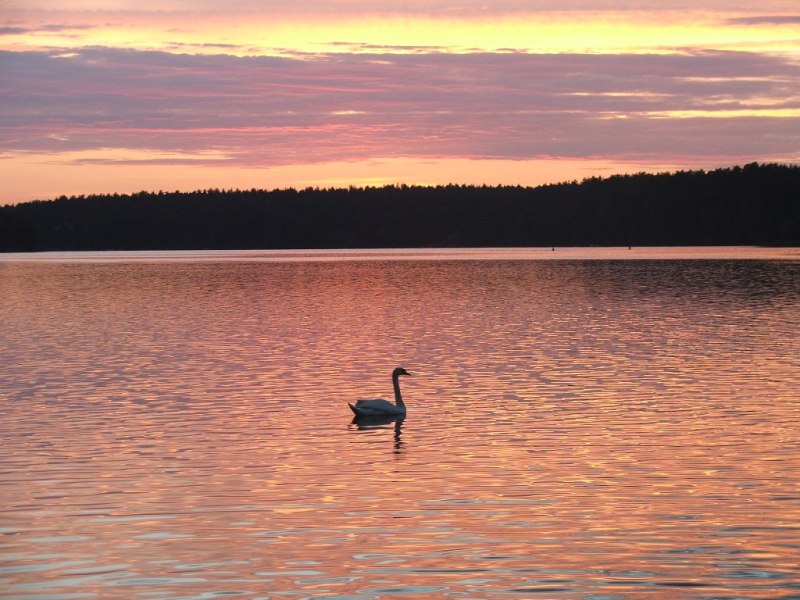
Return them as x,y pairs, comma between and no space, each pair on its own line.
398,399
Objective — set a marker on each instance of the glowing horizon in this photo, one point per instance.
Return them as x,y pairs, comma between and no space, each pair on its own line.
291,34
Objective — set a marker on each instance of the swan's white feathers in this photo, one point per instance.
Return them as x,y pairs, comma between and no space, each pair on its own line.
371,408
380,407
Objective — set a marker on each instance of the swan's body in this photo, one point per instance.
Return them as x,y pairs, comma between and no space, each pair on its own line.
376,408
381,407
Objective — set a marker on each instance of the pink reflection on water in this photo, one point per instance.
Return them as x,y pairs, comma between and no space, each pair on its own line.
575,428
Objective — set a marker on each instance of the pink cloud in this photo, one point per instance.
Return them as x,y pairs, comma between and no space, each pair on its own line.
270,111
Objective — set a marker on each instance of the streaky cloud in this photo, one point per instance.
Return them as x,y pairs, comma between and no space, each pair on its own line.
46,28
261,111
14,30
765,20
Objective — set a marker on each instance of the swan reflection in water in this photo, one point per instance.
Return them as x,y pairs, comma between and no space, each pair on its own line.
383,422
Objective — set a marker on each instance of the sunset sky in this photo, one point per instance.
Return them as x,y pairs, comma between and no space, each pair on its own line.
127,95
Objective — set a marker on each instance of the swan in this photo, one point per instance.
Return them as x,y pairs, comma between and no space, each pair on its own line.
381,407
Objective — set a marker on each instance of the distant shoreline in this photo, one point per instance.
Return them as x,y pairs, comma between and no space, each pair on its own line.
754,205
685,253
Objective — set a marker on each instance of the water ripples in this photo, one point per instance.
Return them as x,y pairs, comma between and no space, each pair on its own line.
602,429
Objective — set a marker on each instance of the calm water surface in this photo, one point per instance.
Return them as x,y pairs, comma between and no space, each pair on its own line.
176,425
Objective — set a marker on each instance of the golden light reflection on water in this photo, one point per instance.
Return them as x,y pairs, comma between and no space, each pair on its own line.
576,429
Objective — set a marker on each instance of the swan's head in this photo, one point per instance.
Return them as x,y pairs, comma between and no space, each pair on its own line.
400,371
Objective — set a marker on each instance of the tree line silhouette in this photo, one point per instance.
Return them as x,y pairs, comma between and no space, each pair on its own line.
758,204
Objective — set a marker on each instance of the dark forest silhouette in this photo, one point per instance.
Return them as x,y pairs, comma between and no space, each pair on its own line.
750,205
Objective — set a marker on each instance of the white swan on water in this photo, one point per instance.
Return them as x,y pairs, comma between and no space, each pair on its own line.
381,407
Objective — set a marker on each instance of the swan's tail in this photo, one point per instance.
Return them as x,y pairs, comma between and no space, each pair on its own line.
354,409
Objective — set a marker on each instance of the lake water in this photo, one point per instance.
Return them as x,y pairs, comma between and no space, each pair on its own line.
595,424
